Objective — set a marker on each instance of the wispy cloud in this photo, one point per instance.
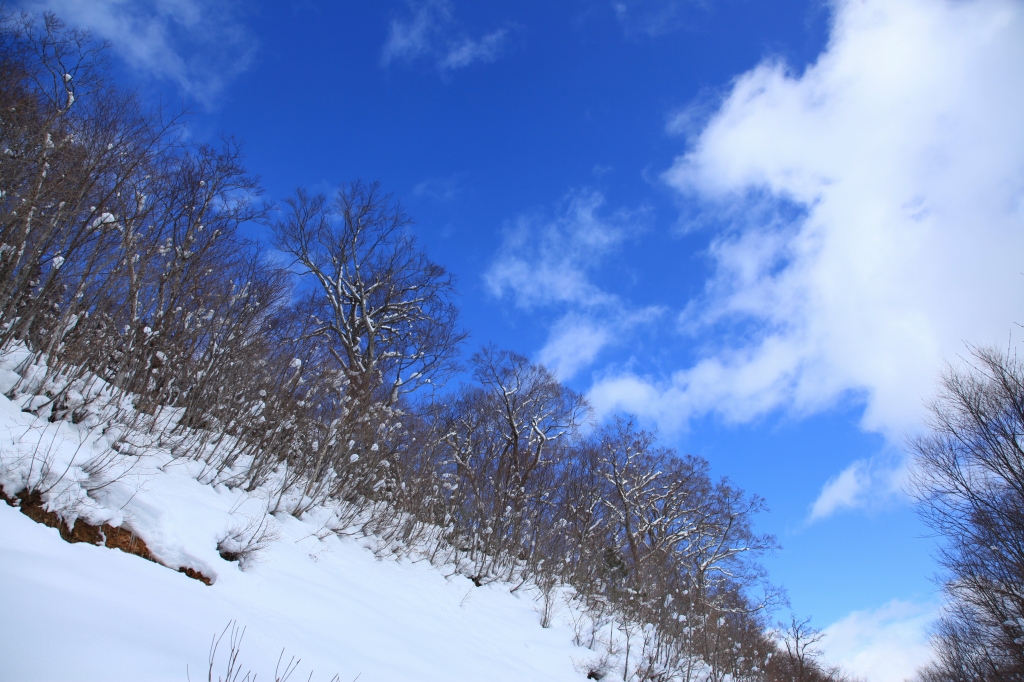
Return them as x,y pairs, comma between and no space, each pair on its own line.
201,45
439,189
654,17
573,343
466,51
689,121
870,483
549,263
887,644
414,36
875,204
429,31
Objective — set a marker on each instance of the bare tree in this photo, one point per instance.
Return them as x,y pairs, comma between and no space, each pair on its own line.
800,641
503,440
73,145
385,307
968,479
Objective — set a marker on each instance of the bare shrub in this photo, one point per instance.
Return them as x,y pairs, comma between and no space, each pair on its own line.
232,666
596,668
245,543
547,585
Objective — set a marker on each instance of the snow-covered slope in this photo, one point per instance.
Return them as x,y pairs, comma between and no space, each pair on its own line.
79,612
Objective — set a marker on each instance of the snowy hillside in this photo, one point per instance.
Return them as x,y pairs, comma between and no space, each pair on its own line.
91,613
342,604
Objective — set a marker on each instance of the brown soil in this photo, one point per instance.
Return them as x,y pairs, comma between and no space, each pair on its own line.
121,538
195,575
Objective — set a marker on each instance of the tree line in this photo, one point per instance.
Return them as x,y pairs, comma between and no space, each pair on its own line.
125,274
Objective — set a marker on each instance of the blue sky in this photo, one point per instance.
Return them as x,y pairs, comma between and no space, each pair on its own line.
761,227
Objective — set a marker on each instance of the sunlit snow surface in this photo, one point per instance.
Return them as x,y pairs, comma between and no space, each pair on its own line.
77,612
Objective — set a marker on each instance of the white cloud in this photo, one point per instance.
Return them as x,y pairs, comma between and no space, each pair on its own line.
427,32
200,46
872,482
576,338
841,491
545,262
573,344
549,264
877,209
690,120
886,644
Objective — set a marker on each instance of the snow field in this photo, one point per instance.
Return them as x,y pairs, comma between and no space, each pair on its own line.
79,613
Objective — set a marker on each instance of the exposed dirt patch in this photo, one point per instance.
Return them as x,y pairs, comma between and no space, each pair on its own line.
31,505
195,575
